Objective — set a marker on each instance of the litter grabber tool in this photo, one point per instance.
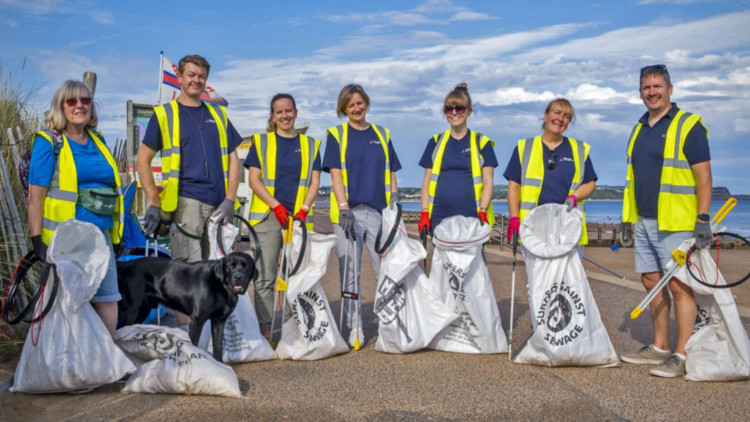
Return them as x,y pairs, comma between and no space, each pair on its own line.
423,238
609,270
512,295
350,295
679,258
282,274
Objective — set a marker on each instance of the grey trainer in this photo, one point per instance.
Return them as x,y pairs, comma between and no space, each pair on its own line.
671,367
648,355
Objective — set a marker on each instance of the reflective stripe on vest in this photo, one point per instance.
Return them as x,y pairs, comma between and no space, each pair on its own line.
531,154
168,116
678,201
265,147
60,202
341,134
477,141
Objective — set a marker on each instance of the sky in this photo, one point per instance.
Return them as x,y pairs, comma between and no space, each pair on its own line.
515,56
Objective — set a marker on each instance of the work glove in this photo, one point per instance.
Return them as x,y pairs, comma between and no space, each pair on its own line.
40,249
703,235
395,200
482,216
571,202
346,221
224,212
151,220
513,225
424,221
301,215
282,215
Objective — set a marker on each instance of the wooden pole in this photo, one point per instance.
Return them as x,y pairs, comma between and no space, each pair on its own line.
89,79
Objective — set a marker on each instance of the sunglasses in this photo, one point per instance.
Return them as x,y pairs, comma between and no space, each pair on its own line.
71,102
657,67
552,161
457,109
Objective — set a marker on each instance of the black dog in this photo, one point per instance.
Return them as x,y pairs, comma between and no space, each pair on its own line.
206,290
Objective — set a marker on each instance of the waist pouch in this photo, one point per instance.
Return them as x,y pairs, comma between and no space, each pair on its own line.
100,201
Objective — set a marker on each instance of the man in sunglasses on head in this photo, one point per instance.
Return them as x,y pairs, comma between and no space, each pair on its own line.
667,196
199,166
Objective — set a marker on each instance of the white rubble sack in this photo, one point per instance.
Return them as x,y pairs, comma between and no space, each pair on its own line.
719,349
409,307
463,282
229,233
569,328
172,364
74,349
311,332
243,341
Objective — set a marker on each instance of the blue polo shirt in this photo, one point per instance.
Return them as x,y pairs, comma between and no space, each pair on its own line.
288,165
648,158
556,184
92,171
201,172
365,166
454,194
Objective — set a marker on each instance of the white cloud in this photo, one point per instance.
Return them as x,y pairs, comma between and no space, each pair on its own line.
470,16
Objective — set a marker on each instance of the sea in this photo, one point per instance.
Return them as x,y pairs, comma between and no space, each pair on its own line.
737,221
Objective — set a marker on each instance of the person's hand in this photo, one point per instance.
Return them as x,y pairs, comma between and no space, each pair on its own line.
513,225
571,202
482,216
703,234
301,215
424,221
224,212
151,220
346,221
282,215
40,249
395,200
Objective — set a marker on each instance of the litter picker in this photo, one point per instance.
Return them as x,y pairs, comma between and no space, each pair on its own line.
282,275
347,294
512,295
423,237
679,258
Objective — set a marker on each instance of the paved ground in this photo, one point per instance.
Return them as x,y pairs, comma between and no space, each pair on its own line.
431,385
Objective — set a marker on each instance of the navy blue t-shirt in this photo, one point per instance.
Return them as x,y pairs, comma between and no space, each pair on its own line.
648,158
365,166
454,194
201,172
288,165
556,184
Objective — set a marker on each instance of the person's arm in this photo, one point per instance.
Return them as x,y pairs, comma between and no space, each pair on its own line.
312,192
488,177
394,182
585,190
259,189
233,180
514,198
36,208
425,192
337,183
703,185
143,166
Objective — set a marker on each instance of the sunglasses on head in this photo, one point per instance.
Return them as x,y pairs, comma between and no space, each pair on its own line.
71,102
457,109
658,67
552,160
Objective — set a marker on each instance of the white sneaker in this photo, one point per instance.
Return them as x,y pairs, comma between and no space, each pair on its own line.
356,334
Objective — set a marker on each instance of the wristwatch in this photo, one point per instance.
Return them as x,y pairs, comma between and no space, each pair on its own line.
704,217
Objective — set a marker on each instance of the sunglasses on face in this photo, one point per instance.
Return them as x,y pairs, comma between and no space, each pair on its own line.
457,109
658,67
552,160
71,102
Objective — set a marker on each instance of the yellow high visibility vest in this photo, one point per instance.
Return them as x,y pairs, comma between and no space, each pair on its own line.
340,134
60,202
678,202
477,161
265,146
532,175
168,116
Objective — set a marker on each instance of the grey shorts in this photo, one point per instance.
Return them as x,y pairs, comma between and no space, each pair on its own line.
108,290
653,247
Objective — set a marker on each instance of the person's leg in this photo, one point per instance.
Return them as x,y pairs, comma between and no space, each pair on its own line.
107,295
659,310
107,311
685,308
270,238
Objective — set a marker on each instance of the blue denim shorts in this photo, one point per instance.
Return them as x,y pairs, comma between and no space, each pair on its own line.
653,247
108,290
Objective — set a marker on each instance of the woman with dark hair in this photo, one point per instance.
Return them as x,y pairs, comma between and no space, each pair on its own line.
363,166
284,176
72,156
459,167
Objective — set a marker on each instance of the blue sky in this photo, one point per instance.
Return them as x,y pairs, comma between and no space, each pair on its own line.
515,57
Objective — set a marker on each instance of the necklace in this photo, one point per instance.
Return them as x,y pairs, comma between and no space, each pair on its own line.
200,133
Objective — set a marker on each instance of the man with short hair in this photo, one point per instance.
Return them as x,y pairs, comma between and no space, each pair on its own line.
667,196
200,167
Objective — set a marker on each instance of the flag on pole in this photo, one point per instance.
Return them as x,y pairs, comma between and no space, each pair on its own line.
169,86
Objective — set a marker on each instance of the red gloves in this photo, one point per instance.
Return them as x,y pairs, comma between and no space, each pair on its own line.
282,215
424,221
513,225
482,216
301,215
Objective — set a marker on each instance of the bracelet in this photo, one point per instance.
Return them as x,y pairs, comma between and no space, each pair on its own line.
305,207
483,209
343,204
425,209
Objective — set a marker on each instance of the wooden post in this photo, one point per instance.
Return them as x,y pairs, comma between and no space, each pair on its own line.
89,79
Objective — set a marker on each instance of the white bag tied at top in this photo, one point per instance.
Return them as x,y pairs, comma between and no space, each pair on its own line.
229,233
719,349
74,350
461,277
409,307
311,332
172,364
569,329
